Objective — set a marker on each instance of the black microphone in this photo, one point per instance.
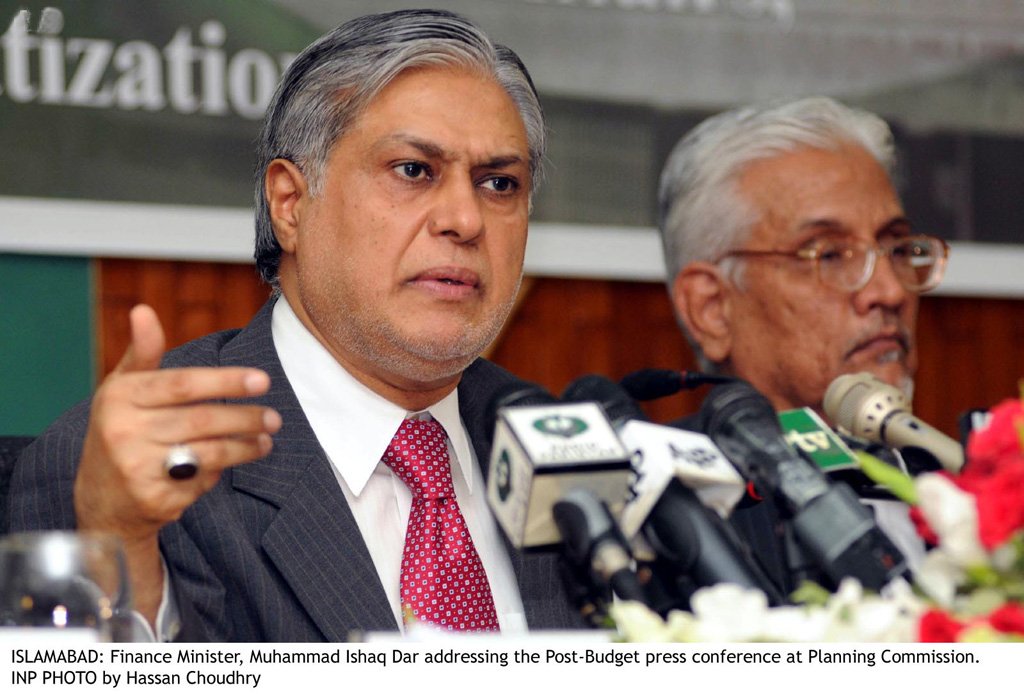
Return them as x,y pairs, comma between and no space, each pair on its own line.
694,540
970,421
651,384
838,532
593,539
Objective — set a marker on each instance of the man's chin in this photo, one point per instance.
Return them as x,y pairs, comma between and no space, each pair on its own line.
433,357
895,373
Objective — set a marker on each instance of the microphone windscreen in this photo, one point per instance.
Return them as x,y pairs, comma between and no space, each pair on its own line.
514,393
651,384
618,405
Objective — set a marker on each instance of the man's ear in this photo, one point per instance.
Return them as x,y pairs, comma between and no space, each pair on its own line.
701,297
286,192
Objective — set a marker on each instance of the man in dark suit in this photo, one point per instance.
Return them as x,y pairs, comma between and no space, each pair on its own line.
394,176
791,262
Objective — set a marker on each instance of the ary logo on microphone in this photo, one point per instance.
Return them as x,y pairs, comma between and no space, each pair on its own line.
700,457
560,425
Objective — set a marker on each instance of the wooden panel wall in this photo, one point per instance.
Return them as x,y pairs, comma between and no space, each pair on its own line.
192,299
972,350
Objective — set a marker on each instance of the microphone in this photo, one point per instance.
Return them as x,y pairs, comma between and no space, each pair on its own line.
810,436
874,410
972,420
541,449
593,539
839,533
651,384
685,534
558,475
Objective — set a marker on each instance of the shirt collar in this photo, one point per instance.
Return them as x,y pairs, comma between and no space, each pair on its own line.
353,424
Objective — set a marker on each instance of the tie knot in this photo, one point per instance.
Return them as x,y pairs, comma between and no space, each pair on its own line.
418,454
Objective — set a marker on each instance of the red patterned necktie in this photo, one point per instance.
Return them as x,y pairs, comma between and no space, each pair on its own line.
443,580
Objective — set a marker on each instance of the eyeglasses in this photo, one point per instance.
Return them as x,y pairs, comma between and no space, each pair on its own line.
847,263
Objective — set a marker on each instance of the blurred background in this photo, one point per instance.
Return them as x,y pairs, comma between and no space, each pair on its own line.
127,128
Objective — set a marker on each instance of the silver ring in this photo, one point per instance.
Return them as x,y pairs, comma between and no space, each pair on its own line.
181,462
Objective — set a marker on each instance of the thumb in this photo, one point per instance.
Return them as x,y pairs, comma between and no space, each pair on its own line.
147,345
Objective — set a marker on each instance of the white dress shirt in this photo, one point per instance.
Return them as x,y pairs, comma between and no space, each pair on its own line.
354,426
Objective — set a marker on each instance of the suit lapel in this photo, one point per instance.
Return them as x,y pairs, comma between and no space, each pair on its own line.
315,544
313,541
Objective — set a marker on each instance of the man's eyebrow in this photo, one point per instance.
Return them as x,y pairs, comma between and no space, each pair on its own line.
432,150
821,223
503,162
898,223
427,148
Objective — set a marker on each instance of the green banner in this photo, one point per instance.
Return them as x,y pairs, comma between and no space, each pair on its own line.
143,101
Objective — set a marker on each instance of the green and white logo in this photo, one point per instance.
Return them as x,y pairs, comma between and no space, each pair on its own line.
560,425
503,470
806,432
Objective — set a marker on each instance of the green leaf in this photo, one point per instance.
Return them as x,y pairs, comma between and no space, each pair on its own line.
893,479
983,633
811,594
982,575
983,601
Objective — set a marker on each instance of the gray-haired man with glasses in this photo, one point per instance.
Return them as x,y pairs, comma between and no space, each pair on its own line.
791,262
790,259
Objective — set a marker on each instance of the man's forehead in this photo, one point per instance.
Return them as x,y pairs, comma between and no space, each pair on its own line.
421,111
811,191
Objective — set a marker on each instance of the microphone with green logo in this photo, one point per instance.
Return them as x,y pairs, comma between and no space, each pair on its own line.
542,448
559,478
808,434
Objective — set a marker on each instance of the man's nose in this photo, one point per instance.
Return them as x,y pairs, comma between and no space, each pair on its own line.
883,288
457,210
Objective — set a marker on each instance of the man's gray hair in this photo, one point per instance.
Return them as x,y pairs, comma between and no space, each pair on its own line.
701,211
328,85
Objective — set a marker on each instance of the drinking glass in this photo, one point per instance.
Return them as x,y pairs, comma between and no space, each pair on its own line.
74,584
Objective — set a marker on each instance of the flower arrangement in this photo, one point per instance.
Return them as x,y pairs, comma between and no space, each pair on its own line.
970,586
975,575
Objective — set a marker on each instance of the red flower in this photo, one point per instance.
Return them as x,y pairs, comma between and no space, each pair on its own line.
1008,619
999,439
999,496
935,626
921,525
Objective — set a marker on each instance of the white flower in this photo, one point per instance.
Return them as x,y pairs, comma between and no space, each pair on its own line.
682,626
874,620
728,612
639,624
1004,557
857,616
953,515
796,624
939,575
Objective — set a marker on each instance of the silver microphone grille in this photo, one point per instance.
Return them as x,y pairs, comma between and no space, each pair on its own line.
860,402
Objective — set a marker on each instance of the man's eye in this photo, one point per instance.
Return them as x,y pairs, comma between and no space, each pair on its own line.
502,184
912,248
834,252
413,170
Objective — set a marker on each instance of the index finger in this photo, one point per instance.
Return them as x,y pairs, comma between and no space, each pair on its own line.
197,383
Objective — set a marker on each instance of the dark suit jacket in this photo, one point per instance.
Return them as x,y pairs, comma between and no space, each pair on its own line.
272,553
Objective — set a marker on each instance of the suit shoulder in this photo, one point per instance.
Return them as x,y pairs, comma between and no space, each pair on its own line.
482,372
203,351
